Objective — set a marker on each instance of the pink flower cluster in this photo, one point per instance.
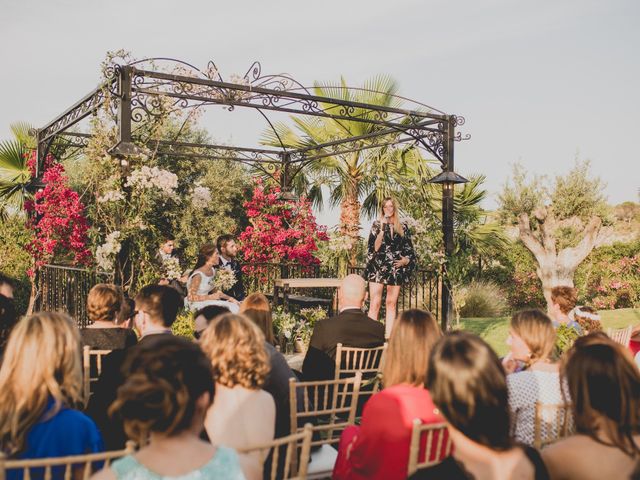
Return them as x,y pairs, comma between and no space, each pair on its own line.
280,230
56,218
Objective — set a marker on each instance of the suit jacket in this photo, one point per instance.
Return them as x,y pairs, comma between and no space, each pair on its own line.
237,291
352,328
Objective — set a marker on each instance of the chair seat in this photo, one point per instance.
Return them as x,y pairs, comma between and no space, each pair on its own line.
322,462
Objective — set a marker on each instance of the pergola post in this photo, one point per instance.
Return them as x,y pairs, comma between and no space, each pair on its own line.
447,222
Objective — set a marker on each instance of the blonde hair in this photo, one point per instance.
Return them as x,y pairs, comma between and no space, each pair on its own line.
104,303
414,334
257,308
42,360
235,346
397,226
536,330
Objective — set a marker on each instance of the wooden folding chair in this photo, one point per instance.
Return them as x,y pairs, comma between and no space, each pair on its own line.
367,361
422,451
74,466
289,446
91,358
551,423
330,405
620,335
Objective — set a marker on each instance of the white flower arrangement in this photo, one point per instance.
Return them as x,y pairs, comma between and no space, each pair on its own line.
153,177
171,269
105,253
111,196
224,279
201,197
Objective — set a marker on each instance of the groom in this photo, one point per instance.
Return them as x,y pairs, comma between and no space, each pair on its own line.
228,250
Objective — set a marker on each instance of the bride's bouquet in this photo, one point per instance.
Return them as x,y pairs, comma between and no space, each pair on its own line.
224,279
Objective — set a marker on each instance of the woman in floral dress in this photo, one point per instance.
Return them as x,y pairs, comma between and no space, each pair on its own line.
200,283
390,261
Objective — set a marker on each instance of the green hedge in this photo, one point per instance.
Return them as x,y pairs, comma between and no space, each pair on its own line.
14,258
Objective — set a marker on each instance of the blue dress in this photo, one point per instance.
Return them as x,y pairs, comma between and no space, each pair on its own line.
223,466
68,432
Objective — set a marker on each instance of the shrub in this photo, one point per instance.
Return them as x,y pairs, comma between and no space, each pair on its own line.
183,326
482,299
14,258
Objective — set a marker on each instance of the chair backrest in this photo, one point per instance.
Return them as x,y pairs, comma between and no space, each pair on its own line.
430,444
620,335
91,358
287,446
75,466
333,402
367,361
551,423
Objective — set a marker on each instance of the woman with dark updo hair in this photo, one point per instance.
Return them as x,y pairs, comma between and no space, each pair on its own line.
168,389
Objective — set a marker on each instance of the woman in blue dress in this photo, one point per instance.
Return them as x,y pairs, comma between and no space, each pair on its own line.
40,386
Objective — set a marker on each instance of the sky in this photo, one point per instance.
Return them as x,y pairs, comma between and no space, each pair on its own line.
539,83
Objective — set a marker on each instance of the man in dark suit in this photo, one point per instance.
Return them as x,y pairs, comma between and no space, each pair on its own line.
228,249
351,327
157,307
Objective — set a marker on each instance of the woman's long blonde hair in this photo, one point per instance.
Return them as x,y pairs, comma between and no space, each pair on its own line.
41,361
414,334
397,226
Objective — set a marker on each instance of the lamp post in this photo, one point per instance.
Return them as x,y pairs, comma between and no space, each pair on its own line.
448,179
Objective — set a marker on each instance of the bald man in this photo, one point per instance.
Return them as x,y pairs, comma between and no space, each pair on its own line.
351,327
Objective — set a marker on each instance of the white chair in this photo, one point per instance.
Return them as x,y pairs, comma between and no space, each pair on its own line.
621,335
331,404
422,445
89,358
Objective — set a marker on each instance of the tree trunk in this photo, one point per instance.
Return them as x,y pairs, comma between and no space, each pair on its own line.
555,267
350,221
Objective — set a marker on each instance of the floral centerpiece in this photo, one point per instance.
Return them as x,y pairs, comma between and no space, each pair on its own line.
293,331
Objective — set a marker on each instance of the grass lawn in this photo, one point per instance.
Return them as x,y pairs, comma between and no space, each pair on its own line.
496,330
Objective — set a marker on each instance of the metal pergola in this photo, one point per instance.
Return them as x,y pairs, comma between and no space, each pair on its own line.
135,89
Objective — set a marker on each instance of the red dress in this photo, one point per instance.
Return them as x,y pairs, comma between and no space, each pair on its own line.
381,442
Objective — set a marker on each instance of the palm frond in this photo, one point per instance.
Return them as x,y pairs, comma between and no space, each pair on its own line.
22,132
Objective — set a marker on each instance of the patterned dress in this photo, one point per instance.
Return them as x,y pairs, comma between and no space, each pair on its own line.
380,267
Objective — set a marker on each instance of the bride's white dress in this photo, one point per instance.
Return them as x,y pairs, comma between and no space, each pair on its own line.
204,289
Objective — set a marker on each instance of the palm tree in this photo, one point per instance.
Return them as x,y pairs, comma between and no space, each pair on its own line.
14,172
359,180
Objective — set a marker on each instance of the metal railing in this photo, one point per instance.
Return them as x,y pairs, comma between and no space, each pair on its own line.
65,289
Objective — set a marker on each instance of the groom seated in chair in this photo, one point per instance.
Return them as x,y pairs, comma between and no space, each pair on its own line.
351,327
228,250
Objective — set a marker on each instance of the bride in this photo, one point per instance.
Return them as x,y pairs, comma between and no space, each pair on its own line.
200,283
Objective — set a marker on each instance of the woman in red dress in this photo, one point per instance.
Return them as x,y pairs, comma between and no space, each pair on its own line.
379,447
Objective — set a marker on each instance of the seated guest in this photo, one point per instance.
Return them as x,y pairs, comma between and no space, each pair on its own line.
468,385
531,338
106,332
242,415
587,318
256,308
563,301
163,402
8,318
201,290
7,286
379,447
202,318
351,327
157,307
604,385
40,384
228,251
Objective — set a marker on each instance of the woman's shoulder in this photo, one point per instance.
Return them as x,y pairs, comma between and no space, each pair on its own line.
224,464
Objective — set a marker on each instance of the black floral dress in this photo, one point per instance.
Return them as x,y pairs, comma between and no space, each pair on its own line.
380,267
